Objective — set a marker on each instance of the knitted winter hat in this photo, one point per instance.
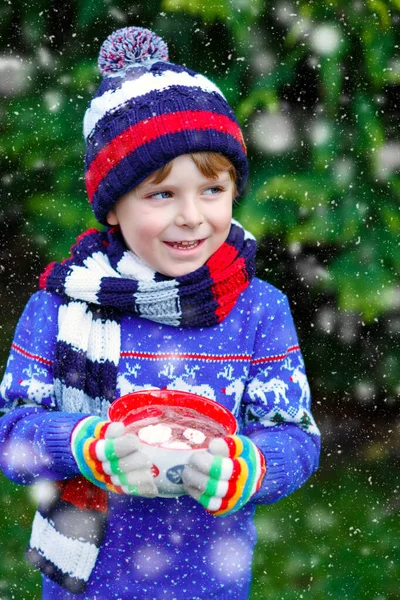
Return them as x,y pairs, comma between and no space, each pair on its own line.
146,112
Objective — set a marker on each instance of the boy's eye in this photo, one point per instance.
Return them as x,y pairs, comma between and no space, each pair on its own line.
211,191
161,195
214,189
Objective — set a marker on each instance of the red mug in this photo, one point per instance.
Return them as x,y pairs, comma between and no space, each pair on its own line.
168,463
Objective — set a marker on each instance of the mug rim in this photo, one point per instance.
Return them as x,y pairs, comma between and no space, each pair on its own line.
144,398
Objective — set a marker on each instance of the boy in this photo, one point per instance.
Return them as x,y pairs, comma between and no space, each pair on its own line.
166,297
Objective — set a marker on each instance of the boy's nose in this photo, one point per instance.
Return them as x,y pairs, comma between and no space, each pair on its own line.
189,214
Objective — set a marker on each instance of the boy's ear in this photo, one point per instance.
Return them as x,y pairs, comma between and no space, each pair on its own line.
112,218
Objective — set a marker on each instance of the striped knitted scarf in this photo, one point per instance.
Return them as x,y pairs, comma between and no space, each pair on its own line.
102,271
99,281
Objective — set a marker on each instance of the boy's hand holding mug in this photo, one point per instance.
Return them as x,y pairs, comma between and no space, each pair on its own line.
111,458
225,477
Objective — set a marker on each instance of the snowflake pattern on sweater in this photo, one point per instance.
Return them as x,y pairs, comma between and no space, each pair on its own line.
250,362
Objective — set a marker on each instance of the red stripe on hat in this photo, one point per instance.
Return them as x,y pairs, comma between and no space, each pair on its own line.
146,131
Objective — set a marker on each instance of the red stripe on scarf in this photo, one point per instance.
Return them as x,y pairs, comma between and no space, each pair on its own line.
85,234
228,282
83,494
44,276
151,129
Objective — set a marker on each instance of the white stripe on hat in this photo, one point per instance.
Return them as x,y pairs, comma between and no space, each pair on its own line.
112,99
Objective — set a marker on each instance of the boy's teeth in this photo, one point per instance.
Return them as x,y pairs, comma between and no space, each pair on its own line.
186,244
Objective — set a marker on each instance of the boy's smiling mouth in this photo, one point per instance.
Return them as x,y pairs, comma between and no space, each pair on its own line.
185,245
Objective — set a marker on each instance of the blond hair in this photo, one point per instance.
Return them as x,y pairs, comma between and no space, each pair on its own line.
210,164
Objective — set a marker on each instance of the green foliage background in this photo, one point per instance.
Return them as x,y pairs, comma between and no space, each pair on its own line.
324,205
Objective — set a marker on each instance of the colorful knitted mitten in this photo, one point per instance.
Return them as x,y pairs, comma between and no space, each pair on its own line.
224,477
111,459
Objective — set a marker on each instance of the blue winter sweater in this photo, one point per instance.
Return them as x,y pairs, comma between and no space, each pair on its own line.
170,548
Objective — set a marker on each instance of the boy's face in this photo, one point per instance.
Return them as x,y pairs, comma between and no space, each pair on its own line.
176,225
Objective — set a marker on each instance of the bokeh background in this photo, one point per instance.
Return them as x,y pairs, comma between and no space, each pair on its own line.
316,88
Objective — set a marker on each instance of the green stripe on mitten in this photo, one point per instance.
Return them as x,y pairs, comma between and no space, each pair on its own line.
111,458
225,477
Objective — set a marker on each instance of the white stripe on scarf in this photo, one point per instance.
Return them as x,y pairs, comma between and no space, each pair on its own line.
84,282
74,324
157,300
70,399
161,305
132,266
99,339
74,557
104,341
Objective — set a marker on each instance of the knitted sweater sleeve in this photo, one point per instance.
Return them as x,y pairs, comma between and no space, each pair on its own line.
276,407
34,434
